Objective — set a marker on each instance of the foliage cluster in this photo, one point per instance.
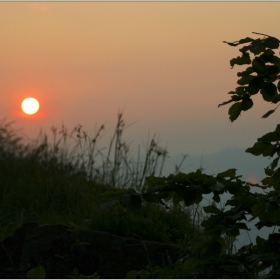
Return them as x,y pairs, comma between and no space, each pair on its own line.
209,258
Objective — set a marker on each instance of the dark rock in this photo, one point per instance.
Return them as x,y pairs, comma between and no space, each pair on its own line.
60,249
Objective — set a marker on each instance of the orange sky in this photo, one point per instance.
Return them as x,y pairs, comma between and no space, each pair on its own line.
163,63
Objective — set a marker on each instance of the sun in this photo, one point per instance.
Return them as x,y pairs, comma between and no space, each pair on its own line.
30,106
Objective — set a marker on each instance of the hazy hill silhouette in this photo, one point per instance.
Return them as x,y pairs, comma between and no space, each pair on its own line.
247,165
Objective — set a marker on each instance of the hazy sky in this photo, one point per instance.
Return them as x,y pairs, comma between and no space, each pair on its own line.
163,64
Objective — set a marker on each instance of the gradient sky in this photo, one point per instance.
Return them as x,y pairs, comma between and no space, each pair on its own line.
163,64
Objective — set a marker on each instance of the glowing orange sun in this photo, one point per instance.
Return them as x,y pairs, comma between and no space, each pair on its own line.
30,106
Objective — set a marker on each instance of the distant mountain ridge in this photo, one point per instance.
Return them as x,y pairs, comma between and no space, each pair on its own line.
249,166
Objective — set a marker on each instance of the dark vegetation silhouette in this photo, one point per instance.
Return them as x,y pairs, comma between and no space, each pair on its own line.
212,258
54,183
65,180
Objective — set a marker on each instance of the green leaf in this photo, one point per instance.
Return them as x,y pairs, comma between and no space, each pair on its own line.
233,231
270,151
241,90
190,196
269,137
131,274
272,70
242,226
216,186
229,173
212,250
246,40
255,85
151,197
277,129
232,44
216,197
266,181
76,272
274,163
199,245
212,209
152,181
240,60
276,99
271,42
253,257
278,151
245,80
106,205
215,231
267,55
258,148
274,214
260,241
198,199
267,114
234,111
236,97
166,195
257,48
247,103
226,102
259,65
36,273
131,201
232,187
189,264
268,91
240,267
236,217
247,72
242,41
209,180
176,199
274,60
268,171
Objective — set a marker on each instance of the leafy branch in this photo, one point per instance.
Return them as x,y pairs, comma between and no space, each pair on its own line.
261,77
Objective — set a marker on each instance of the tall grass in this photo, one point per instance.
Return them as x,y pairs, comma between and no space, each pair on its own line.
113,166
60,179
